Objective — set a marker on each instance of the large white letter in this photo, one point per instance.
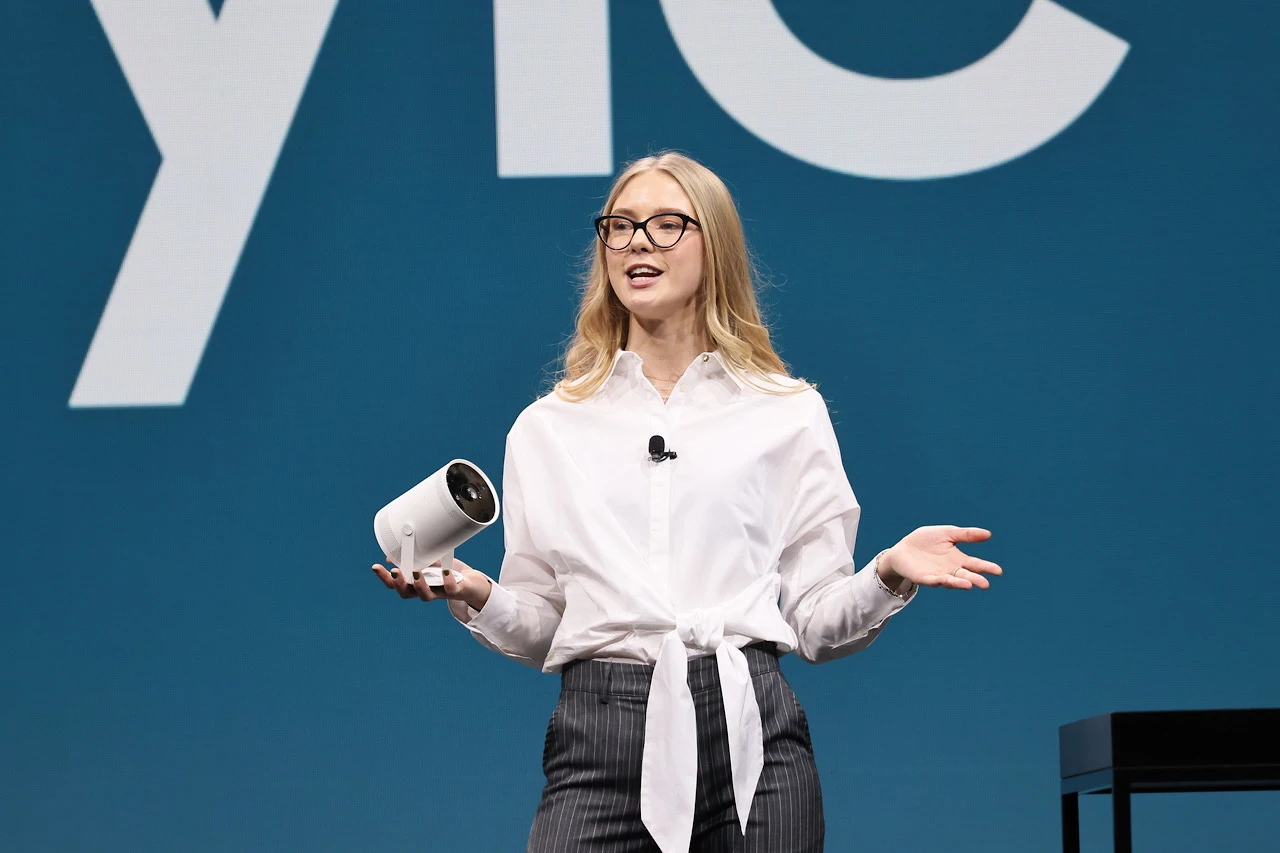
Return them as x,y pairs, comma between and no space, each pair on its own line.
219,96
1013,100
551,81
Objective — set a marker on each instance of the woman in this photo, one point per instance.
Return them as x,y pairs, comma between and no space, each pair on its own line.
677,516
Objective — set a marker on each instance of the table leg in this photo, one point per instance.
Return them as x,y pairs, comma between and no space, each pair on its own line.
1070,823
1121,829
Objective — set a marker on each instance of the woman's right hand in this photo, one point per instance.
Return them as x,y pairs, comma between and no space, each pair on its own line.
463,583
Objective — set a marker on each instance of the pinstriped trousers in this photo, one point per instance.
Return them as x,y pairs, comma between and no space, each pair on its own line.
592,758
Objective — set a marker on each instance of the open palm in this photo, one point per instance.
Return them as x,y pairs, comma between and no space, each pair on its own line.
929,556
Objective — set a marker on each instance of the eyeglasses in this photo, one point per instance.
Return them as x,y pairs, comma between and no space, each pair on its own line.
664,230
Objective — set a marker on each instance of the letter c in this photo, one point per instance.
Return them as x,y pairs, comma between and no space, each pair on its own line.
1016,98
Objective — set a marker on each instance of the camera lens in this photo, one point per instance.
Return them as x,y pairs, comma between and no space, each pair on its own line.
471,493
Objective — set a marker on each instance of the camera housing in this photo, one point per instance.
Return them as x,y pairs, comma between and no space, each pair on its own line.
428,522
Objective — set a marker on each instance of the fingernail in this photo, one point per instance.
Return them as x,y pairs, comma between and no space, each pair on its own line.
445,572
417,576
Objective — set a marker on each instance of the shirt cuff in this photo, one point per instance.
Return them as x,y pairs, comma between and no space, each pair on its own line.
905,593
497,611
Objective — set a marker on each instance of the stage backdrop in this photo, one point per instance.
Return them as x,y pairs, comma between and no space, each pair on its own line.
267,263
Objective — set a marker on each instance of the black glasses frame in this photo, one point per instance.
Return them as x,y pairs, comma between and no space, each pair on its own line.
643,225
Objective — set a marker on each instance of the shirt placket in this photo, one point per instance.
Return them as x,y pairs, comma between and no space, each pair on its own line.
660,483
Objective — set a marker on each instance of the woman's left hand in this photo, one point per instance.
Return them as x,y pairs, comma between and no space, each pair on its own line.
928,556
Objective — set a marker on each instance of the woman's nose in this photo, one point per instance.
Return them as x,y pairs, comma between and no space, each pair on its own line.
640,240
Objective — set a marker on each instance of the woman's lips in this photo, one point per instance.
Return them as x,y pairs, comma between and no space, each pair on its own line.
642,281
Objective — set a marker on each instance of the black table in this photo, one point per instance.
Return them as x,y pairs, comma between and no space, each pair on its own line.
1142,752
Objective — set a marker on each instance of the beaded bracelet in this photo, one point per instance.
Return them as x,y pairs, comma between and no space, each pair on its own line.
875,564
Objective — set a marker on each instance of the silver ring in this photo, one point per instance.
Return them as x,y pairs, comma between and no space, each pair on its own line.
956,573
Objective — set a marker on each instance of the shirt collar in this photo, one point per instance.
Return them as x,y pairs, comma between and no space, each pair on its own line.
629,364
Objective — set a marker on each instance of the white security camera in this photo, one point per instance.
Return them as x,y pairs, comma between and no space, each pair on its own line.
427,522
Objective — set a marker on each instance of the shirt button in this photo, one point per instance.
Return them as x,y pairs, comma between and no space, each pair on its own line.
705,357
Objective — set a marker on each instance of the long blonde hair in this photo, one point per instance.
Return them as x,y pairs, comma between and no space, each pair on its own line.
731,322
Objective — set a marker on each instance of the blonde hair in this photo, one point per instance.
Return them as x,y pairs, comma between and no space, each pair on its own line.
730,316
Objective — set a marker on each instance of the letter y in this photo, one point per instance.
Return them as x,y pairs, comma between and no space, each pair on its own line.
219,95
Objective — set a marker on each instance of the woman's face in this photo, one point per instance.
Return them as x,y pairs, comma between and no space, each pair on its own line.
655,284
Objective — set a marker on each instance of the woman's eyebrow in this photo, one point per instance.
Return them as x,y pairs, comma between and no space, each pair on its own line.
626,211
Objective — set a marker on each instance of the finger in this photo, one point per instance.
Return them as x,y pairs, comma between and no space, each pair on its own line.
937,580
958,580
969,534
401,585
383,575
422,589
452,587
987,567
974,579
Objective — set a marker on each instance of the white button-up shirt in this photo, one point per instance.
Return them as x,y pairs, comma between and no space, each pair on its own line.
745,536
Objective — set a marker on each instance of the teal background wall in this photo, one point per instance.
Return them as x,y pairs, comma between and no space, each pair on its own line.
1075,349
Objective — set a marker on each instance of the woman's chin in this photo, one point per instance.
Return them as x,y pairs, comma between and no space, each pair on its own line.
653,313
650,307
